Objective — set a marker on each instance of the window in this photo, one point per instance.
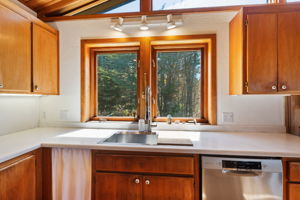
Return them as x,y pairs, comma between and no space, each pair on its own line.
117,84
293,1
179,88
185,4
181,71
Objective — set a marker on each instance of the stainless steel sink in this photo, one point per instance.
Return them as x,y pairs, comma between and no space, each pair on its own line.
125,137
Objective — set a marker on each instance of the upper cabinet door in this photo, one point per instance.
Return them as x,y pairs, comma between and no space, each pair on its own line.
45,61
262,53
289,52
15,52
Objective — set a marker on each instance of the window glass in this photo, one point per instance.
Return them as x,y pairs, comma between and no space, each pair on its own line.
179,83
183,4
125,7
117,84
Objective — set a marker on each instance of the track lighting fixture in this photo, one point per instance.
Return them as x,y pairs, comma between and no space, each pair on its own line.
118,26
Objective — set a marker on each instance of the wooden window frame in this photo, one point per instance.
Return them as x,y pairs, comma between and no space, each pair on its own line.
90,47
203,91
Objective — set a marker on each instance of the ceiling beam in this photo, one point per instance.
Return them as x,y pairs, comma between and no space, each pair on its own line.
85,7
104,6
60,7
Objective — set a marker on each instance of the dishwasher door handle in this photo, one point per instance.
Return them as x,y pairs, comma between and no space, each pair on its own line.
246,173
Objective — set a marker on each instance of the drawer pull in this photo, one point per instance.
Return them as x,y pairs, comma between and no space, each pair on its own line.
137,181
147,182
284,87
1,85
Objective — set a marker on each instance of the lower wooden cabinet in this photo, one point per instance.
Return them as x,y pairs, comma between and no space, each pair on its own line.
291,177
168,188
111,181
20,178
294,191
114,186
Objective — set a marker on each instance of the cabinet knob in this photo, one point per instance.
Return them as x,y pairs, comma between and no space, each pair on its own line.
147,182
137,181
1,85
274,87
36,87
283,87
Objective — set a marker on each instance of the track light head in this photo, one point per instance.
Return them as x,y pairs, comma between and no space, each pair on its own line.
144,25
171,23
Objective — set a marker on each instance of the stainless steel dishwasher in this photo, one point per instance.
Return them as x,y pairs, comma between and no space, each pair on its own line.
241,179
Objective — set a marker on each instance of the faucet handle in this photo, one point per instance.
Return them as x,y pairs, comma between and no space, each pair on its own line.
153,124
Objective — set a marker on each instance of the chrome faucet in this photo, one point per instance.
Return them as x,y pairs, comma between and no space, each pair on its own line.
148,110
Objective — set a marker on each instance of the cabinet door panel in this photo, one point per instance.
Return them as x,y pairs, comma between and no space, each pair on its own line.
15,52
294,191
289,51
113,186
18,180
168,188
45,61
262,53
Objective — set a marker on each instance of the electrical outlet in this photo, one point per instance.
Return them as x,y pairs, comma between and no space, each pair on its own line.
44,115
227,117
64,115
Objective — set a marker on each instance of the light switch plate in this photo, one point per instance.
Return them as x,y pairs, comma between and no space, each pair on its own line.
227,117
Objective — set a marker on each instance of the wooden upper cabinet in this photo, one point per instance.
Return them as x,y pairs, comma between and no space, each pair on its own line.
18,180
45,61
261,53
265,50
15,52
289,52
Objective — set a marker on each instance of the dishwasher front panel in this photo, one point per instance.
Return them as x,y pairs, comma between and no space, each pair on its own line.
245,179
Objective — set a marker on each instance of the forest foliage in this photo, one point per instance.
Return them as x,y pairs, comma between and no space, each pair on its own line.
178,82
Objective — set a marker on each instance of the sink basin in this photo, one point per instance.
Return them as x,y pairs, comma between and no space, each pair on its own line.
125,137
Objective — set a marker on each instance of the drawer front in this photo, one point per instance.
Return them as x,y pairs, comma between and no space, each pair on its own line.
294,171
145,164
294,191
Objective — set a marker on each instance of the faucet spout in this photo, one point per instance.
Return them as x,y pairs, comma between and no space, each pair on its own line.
148,109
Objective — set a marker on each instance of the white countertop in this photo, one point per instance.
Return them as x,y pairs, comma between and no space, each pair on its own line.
213,143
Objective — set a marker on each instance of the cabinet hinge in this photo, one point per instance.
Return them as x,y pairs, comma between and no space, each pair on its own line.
153,63
246,22
138,63
246,84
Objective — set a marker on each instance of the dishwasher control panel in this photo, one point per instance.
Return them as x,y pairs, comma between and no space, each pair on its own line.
249,165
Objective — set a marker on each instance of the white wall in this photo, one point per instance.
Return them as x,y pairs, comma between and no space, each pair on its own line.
248,110
18,113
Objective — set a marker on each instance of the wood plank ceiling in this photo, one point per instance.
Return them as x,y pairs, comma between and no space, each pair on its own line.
53,8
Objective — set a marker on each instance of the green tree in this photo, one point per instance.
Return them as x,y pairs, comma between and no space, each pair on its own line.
117,84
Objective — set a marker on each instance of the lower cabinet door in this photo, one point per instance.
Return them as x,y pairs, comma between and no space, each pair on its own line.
114,186
18,180
168,188
294,191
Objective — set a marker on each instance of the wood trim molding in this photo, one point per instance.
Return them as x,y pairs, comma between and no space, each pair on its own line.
87,46
145,11
47,173
10,5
